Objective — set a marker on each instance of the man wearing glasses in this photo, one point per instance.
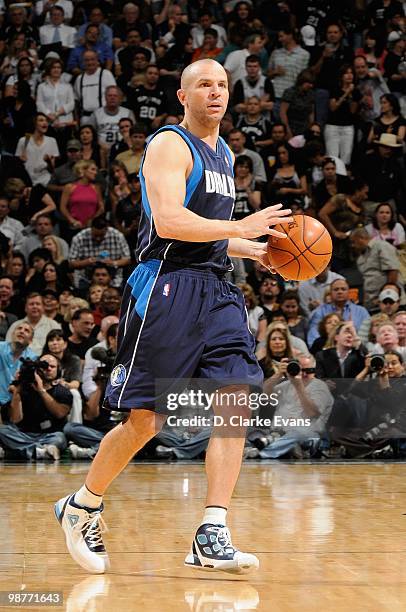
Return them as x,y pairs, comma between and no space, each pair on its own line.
37,413
304,405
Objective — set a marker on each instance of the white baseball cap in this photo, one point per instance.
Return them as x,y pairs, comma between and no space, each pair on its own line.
308,35
389,294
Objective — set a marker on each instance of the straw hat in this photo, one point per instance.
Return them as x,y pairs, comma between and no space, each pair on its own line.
387,140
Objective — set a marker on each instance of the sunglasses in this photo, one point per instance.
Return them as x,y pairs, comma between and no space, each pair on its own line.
309,370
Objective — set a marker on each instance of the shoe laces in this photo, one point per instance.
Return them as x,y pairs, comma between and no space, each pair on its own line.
92,528
224,539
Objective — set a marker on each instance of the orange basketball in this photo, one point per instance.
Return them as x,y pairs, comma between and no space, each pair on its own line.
304,253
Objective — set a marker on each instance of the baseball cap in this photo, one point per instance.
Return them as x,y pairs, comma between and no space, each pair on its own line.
308,35
73,144
393,36
46,292
389,294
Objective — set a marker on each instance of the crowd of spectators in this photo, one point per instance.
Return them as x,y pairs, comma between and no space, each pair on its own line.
316,120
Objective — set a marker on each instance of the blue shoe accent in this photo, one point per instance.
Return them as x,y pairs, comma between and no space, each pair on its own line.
59,508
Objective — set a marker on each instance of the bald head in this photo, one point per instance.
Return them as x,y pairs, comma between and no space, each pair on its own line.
200,69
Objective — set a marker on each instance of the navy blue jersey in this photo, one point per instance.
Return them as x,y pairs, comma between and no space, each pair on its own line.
210,193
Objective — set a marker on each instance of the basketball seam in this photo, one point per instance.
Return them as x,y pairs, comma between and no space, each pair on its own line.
317,239
301,253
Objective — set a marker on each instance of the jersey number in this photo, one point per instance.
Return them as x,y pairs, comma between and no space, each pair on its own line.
147,112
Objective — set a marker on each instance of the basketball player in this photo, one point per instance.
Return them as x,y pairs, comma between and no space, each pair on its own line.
180,318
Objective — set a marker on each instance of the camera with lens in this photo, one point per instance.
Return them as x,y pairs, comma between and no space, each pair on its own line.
293,368
377,363
27,371
107,357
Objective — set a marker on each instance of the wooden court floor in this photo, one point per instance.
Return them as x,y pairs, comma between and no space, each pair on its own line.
329,538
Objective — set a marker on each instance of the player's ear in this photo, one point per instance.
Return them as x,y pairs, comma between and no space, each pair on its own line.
181,96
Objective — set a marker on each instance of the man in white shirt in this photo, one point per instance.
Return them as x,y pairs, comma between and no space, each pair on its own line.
44,7
90,87
34,310
105,120
286,63
11,228
205,21
235,62
57,31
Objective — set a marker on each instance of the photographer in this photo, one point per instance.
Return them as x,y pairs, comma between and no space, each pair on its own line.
304,405
38,411
85,439
10,361
377,400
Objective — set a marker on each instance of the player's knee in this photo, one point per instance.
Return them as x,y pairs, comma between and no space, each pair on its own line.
146,421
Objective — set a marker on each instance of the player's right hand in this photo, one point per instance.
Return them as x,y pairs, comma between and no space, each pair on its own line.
258,224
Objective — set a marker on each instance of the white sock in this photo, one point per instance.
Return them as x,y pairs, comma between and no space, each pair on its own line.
214,515
87,499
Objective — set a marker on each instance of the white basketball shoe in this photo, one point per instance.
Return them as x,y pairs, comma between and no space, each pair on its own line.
83,529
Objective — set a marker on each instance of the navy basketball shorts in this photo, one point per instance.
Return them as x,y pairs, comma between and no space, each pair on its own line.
177,324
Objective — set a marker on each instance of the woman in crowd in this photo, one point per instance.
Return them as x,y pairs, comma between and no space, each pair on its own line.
15,46
27,203
38,151
242,18
341,215
247,190
25,72
74,304
390,121
297,105
52,243
46,278
51,278
326,327
289,183
256,318
331,184
82,201
297,322
373,50
65,298
339,130
384,225
91,150
120,188
376,321
16,112
55,344
94,295
278,347
344,360
55,99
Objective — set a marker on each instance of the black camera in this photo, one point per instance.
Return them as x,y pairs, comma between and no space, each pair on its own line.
377,363
293,368
28,369
107,357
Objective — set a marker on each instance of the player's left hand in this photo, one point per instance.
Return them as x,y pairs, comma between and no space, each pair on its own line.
260,253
